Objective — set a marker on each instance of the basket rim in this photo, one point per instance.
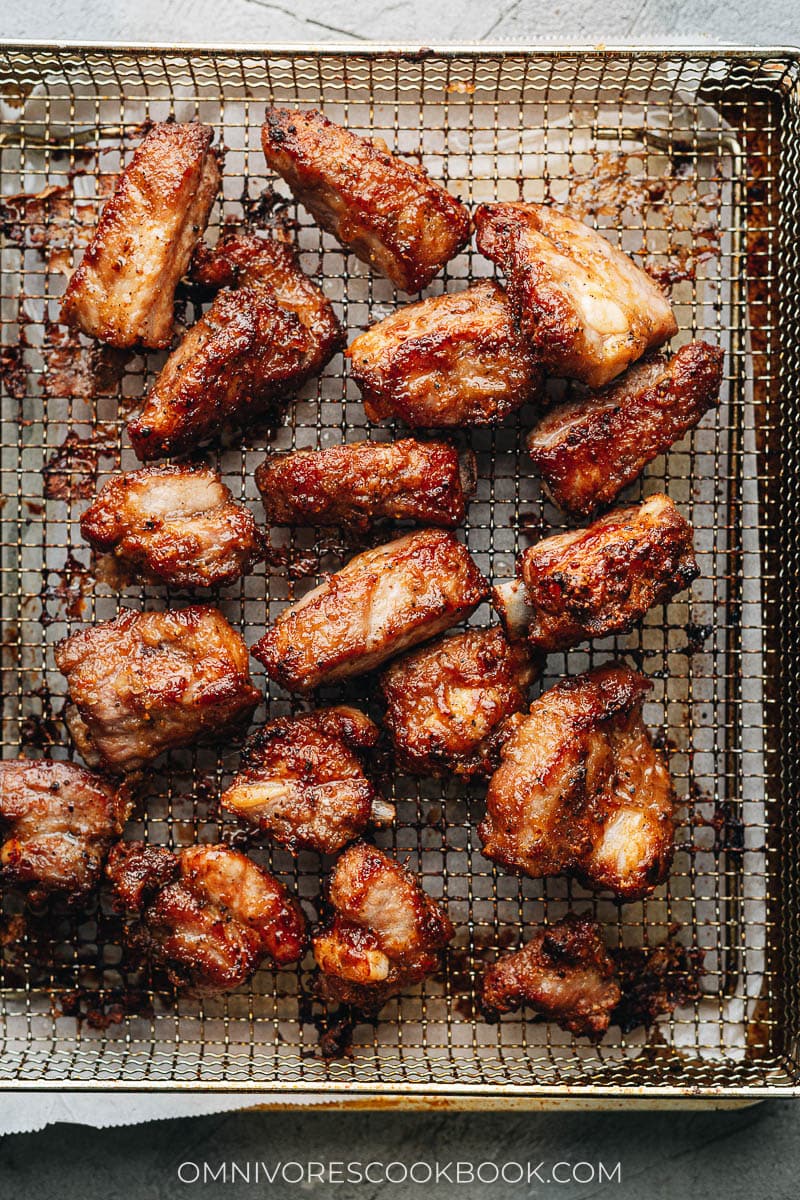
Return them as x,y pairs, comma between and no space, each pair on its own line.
415,51
339,1091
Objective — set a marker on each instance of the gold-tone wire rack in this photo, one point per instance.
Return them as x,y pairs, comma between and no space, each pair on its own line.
691,161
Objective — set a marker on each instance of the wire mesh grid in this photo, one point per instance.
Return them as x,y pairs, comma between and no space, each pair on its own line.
687,162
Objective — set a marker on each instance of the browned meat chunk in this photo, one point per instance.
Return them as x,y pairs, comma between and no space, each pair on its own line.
386,933
208,916
253,348
385,210
57,824
359,483
564,973
302,782
582,789
381,603
175,525
123,292
451,360
655,980
151,681
243,260
603,579
446,702
588,450
586,308
243,357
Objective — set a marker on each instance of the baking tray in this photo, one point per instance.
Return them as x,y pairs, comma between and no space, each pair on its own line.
690,159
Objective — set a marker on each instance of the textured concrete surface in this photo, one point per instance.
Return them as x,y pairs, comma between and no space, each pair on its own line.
415,21
749,1154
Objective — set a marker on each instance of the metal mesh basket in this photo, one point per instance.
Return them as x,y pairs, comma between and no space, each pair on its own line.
691,161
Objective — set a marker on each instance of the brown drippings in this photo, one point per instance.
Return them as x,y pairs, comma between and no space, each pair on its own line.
615,185
37,219
696,638
71,471
15,94
534,525
12,929
238,838
281,558
269,210
334,1033
11,635
13,374
74,370
40,731
434,817
101,1009
336,1038
461,961
74,584
760,1028
683,260
655,981
337,543
55,219
729,828
662,742
115,573
725,820
46,950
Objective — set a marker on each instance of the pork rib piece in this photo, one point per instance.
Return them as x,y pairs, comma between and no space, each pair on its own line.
588,450
152,681
303,783
587,310
448,361
208,915
360,483
381,603
385,932
582,789
123,291
388,211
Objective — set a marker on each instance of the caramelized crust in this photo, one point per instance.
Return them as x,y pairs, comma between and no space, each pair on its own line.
57,824
151,681
385,210
123,292
244,356
564,973
137,871
446,702
582,789
450,360
175,525
382,602
603,579
385,934
359,483
208,915
588,450
243,260
301,781
254,347
586,308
